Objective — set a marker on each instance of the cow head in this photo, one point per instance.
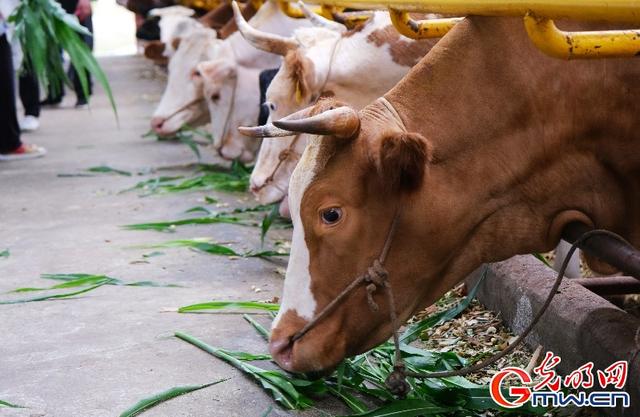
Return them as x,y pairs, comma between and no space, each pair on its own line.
343,197
297,84
232,99
183,101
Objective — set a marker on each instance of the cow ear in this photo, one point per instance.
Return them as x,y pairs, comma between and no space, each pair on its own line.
402,160
216,71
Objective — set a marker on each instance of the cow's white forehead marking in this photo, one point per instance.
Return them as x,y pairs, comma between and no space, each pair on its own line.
297,294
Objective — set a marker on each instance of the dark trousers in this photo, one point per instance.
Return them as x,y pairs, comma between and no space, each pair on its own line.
9,129
29,92
73,75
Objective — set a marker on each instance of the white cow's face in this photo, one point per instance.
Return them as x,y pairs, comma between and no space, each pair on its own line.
293,88
182,101
232,96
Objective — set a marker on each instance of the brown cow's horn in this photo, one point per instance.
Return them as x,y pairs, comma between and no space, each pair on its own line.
265,131
342,122
320,21
267,42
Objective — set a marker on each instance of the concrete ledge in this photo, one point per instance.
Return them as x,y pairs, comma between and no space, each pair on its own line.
579,325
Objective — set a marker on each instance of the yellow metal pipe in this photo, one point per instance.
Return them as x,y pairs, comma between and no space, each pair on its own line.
295,12
581,45
201,4
621,11
421,29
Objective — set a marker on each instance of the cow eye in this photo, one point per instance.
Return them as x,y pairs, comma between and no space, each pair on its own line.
331,215
195,73
272,106
215,97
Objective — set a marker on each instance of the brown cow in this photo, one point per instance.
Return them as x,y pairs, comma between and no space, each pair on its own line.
485,150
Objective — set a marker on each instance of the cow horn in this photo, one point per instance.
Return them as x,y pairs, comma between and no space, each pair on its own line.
342,122
265,131
267,42
320,21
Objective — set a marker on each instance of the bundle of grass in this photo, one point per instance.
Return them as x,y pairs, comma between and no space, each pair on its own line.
43,29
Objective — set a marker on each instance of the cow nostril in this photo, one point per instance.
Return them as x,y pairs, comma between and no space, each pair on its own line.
157,122
282,352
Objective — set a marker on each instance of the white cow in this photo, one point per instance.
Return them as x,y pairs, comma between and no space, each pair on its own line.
183,99
176,22
355,67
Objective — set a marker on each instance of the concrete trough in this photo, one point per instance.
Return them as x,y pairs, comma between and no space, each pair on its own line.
579,326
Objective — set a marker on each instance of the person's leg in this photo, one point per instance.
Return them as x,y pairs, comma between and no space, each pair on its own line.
29,93
73,75
9,129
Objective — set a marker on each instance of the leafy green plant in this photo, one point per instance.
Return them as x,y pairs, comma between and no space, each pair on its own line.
149,402
43,29
55,296
5,253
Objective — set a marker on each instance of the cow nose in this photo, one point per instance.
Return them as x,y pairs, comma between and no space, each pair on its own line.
156,124
282,351
256,184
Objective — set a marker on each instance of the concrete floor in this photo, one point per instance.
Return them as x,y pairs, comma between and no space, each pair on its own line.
100,353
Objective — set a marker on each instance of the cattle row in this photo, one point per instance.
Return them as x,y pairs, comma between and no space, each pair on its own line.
441,154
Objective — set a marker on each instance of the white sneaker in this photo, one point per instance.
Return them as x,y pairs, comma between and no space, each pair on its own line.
24,152
29,124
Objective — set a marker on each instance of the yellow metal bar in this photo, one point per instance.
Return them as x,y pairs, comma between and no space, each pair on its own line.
201,4
421,29
581,45
295,12
621,11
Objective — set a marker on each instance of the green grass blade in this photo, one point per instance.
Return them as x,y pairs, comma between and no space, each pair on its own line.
170,225
9,405
107,169
230,305
147,403
201,244
408,408
274,382
267,221
542,259
261,330
82,280
5,253
352,402
267,412
53,297
414,330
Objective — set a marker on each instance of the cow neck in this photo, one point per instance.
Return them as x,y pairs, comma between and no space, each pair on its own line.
332,57
232,102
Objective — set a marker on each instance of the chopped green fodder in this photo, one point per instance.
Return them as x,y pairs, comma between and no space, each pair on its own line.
207,177
359,382
5,253
244,216
76,281
149,402
207,246
188,135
